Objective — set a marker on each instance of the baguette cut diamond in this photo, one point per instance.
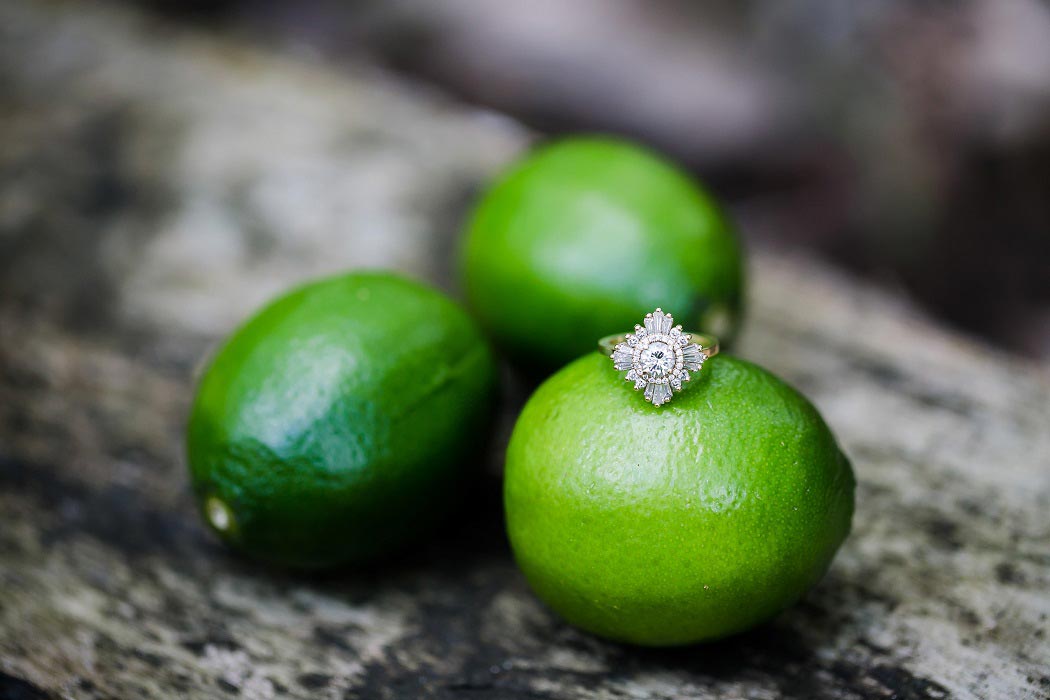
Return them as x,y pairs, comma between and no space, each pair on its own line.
658,357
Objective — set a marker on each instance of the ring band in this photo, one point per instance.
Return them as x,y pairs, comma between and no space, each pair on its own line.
658,357
708,343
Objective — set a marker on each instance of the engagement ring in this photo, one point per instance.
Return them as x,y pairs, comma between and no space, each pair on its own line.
657,357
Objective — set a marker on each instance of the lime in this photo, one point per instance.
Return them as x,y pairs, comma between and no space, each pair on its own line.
672,525
583,237
336,424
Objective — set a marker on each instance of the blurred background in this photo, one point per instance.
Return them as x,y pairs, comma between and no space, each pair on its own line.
166,168
908,142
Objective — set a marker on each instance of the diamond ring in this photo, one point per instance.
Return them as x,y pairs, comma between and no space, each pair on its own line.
658,357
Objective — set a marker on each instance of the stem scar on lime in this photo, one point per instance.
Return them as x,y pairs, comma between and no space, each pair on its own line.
219,515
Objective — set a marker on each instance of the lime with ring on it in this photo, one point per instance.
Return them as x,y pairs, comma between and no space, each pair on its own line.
672,525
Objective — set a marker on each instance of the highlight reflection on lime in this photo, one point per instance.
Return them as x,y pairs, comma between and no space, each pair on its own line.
677,524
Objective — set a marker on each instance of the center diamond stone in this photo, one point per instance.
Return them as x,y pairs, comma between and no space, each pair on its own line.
658,359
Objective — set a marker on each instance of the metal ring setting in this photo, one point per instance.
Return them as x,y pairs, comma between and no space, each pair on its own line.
658,356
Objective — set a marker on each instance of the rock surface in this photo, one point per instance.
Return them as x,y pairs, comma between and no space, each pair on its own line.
158,185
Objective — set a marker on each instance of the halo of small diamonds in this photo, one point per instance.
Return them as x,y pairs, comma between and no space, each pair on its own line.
658,357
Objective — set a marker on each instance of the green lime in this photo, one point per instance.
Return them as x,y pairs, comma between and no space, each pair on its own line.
583,237
678,524
337,423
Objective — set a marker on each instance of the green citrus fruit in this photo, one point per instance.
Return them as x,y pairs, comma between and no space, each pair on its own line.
335,425
672,525
583,237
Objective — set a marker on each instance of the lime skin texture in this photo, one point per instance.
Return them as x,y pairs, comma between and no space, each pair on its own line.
679,524
583,237
336,424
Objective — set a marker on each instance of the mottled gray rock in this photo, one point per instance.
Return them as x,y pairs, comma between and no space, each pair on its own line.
156,186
